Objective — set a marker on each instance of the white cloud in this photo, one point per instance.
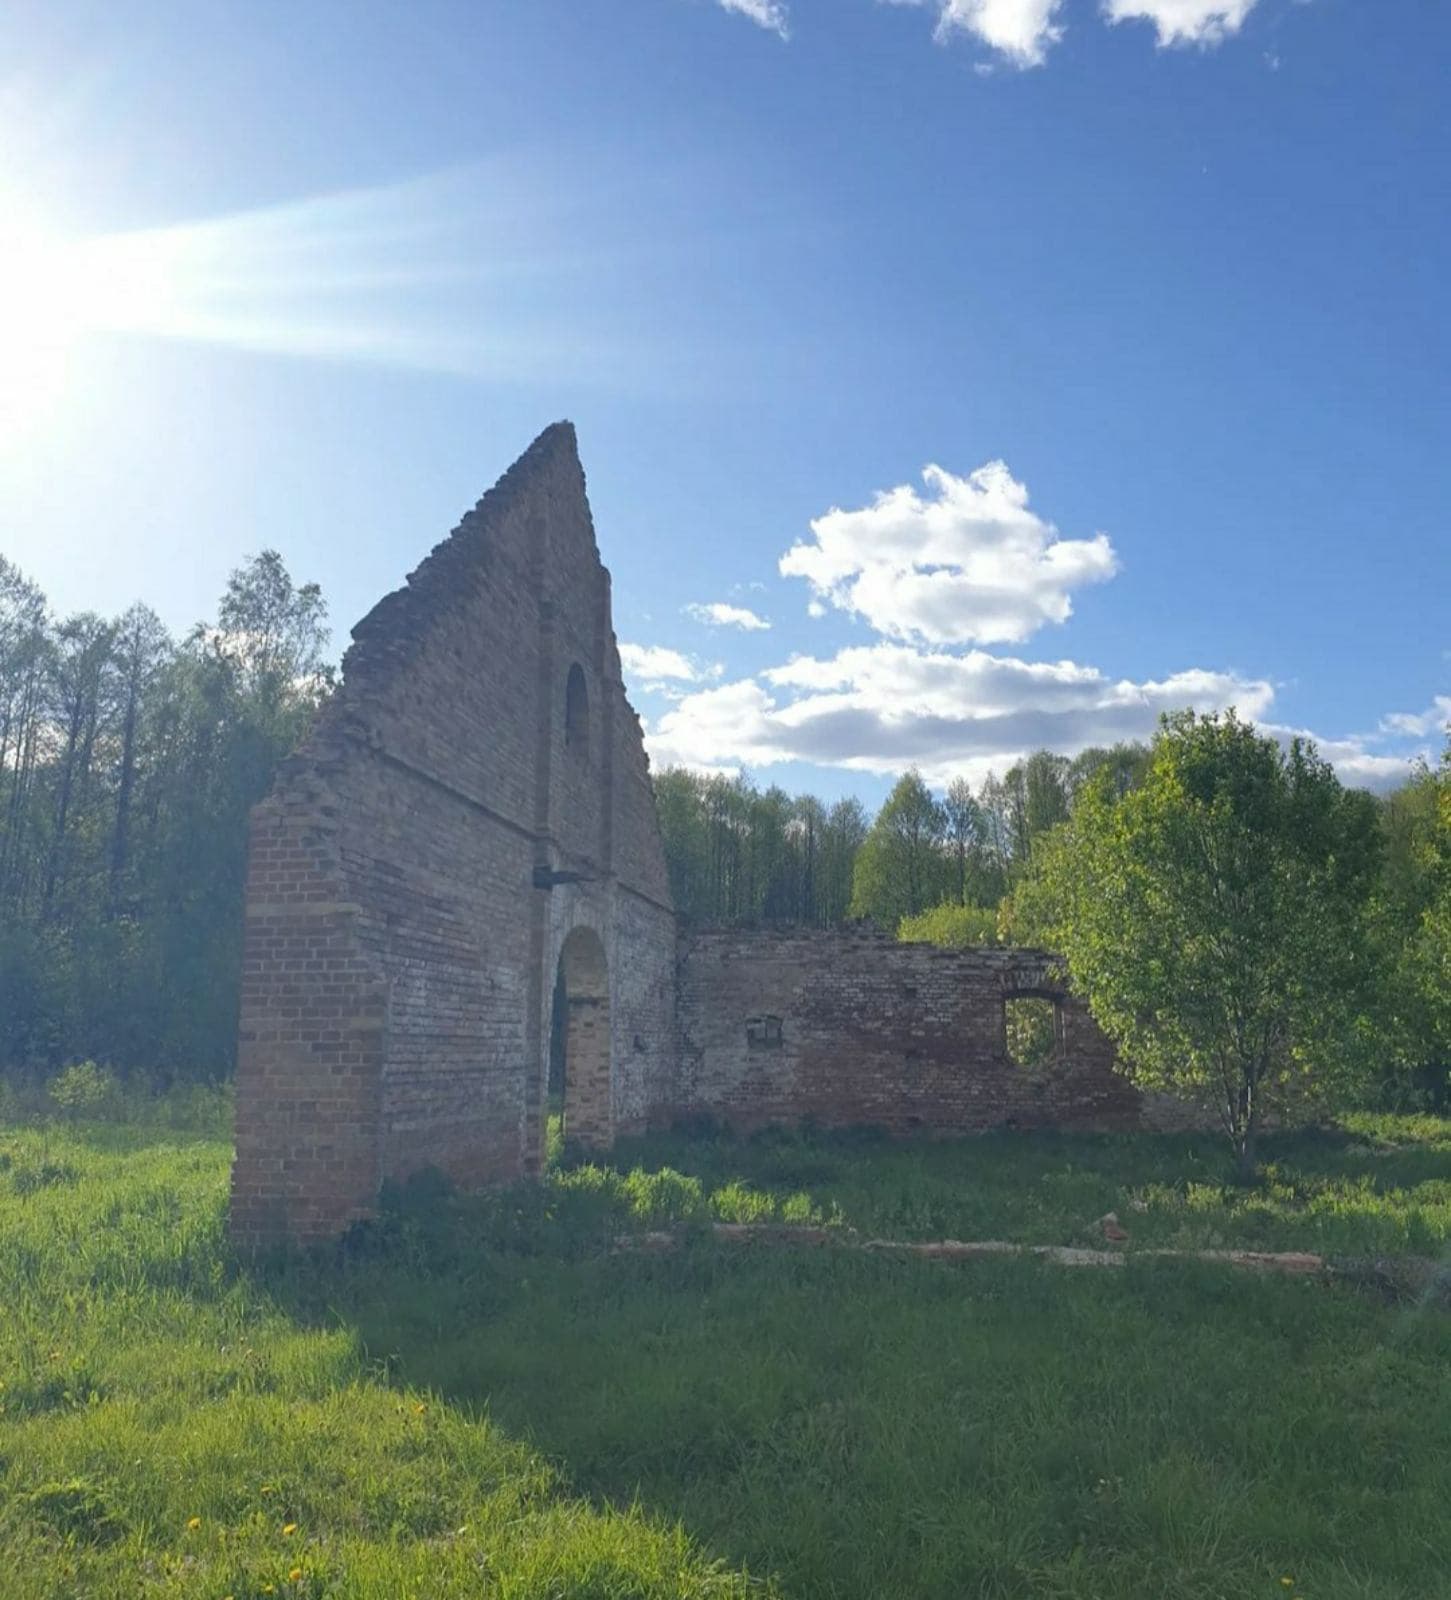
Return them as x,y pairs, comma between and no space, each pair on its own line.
769,14
966,563
1436,719
1354,763
717,614
1022,30
650,664
1183,22
881,708
1019,29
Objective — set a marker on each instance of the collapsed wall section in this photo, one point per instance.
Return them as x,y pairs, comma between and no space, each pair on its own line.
474,791
850,1027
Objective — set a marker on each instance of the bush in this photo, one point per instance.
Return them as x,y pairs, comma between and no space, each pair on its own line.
960,927
84,1090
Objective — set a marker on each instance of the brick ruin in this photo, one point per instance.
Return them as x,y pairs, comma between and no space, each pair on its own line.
850,1027
458,877
470,820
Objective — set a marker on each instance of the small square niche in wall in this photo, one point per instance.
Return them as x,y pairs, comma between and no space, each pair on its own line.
763,1033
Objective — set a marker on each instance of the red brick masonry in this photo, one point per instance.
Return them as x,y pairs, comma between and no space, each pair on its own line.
474,795
850,1027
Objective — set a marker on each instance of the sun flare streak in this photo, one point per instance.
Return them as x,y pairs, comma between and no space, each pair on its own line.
442,273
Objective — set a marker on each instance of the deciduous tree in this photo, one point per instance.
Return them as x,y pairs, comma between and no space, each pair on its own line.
900,868
1214,918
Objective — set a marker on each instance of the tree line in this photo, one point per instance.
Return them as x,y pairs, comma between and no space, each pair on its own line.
741,854
1310,923
128,762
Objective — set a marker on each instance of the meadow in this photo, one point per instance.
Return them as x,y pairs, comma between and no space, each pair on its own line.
481,1396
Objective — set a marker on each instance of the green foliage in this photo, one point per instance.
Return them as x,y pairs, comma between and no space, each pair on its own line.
1032,1031
178,1106
1216,920
84,1090
900,868
737,854
957,926
1413,929
128,764
1029,915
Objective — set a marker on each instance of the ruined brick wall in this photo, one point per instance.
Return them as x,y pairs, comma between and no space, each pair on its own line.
474,794
851,1027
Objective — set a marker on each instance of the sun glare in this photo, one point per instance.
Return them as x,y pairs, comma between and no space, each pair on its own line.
39,321
423,274
56,290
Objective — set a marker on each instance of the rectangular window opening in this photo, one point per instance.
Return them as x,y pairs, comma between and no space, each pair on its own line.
1030,1031
763,1033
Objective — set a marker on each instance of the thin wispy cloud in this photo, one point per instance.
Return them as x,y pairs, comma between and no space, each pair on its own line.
720,614
654,663
1435,719
1020,33
769,14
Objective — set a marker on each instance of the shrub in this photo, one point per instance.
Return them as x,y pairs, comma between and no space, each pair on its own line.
84,1090
959,927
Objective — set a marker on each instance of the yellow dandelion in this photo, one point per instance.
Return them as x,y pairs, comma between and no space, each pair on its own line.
288,1529
419,1409
193,1523
295,1576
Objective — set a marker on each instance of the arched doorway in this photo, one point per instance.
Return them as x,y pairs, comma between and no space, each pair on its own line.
579,1050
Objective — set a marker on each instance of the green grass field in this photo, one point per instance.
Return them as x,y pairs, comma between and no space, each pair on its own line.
476,1397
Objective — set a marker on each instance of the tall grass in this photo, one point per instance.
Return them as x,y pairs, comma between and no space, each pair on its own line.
1374,1185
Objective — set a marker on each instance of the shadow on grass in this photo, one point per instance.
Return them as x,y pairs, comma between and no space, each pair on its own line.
860,1426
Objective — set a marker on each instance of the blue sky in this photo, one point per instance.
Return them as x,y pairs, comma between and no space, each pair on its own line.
1153,292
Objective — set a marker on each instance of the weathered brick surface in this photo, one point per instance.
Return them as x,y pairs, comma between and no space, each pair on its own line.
851,1027
471,817
420,864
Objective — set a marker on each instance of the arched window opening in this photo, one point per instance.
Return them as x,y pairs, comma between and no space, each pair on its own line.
576,712
579,1053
